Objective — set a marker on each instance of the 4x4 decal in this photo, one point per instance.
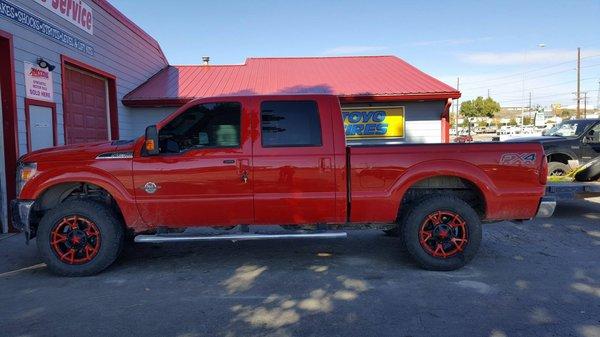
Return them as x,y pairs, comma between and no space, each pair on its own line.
518,159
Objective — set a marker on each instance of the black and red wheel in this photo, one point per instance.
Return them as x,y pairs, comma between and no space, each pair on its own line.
79,238
442,232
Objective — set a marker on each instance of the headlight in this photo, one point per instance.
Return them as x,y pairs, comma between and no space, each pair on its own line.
24,173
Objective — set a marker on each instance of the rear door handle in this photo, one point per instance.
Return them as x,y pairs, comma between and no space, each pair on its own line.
325,164
229,161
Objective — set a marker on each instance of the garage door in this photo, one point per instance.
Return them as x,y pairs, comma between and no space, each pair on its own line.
86,107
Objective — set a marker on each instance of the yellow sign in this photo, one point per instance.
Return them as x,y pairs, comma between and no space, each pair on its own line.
374,122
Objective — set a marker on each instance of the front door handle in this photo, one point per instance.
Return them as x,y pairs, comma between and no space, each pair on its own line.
229,161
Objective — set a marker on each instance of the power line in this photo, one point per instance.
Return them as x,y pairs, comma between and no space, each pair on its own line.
549,86
519,81
533,70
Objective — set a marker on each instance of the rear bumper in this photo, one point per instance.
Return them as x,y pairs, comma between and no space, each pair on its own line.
21,212
546,208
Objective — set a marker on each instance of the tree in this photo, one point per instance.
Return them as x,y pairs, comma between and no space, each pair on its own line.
512,122
527,120
479,107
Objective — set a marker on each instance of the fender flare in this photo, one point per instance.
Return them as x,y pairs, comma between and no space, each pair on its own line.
35,188
567,153
453,168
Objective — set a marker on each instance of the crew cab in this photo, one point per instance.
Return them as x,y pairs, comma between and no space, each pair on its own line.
279,161
576,139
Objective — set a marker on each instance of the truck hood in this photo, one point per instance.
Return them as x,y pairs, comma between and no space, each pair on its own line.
78,152
539,139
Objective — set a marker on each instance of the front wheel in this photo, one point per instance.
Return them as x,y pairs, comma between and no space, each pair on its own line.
558,169
79,238
442,233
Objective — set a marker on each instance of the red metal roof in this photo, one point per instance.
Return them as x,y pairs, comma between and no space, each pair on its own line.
351,78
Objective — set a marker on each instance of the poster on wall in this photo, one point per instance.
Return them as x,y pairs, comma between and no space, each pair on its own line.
374,122
38,83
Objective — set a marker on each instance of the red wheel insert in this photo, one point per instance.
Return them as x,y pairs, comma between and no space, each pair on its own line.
443,234
75,240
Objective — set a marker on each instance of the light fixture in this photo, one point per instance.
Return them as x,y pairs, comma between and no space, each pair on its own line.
45,64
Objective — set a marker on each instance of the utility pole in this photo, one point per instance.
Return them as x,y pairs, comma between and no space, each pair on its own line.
578,82
488,93
530,101
584,104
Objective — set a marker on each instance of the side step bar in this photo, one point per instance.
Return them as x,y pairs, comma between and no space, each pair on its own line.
235,237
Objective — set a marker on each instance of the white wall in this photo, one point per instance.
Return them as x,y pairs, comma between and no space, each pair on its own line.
142,117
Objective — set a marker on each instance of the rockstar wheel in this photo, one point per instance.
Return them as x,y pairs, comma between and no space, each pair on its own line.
79,238
442,233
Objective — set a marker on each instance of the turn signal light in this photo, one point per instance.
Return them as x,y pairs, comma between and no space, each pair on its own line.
27,173
150,146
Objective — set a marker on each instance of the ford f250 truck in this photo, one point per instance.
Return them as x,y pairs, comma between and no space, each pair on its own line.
269,160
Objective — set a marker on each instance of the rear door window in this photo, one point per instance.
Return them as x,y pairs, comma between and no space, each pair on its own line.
290,124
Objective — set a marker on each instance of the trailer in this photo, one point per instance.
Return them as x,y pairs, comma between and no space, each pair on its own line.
564,191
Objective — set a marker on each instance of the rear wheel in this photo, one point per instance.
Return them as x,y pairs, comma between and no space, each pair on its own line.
79,238
442,233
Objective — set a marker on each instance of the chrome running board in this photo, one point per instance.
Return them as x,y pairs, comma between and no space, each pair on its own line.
163,238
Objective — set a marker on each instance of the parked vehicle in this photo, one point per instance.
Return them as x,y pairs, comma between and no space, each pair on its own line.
270,160
577,139
463,139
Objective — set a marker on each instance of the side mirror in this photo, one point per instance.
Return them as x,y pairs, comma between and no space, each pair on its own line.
151,141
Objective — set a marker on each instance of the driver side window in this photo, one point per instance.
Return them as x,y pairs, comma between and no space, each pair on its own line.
593,135
212,125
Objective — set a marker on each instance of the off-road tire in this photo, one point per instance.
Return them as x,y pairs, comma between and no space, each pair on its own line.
416,216
555,167
108,224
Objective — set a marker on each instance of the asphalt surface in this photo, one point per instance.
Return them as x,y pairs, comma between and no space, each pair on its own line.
539,278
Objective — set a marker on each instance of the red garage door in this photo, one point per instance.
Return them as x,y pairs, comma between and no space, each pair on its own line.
86,107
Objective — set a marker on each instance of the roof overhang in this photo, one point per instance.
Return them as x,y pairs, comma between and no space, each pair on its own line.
178,102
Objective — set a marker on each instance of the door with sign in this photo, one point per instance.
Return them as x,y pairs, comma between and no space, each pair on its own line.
41,124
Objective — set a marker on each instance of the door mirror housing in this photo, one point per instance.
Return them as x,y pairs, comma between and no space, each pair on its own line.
151,141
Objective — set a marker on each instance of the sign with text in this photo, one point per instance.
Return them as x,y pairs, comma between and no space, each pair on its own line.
374,122
76,12
35,23
38,83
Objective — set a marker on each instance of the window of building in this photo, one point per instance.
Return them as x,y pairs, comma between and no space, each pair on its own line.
290,124
214,125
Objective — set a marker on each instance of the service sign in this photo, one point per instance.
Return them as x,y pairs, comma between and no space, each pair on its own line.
38,83
76,12
374,122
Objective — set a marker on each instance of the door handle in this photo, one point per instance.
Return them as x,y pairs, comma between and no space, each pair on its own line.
325,164
229,161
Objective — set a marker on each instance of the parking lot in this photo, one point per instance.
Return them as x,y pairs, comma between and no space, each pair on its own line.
537,278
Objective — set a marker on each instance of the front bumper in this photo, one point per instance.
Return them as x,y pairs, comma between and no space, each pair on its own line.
21,212
547,206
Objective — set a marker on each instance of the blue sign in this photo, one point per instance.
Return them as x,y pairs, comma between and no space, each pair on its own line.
24,18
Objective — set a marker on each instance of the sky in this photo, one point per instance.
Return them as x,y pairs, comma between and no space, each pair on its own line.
510,48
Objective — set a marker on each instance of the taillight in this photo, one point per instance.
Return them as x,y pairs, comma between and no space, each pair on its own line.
544,171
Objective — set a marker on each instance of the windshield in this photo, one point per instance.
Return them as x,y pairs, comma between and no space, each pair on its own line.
571,129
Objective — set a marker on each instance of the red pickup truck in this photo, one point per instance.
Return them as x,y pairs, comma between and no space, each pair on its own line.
240,162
